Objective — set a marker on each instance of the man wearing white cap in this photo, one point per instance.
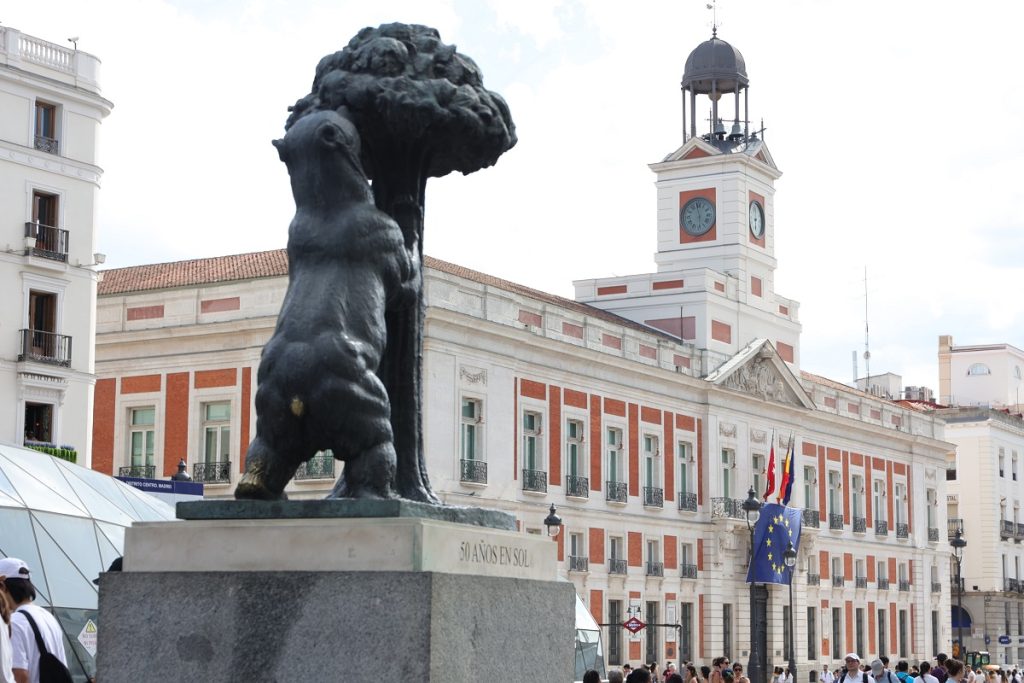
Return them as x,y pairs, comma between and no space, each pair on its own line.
853,674
26,651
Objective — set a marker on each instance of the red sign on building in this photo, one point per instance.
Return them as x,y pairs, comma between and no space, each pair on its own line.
634,625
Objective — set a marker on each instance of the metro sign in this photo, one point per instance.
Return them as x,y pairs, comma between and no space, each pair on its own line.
634,625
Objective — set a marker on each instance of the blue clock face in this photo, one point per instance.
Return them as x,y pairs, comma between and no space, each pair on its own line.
697,216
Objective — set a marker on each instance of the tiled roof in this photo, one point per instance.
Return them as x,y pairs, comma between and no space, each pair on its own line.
264,264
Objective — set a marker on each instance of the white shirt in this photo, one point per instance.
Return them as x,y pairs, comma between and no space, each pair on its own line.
857,677
826,677
6,655
928,678
26,652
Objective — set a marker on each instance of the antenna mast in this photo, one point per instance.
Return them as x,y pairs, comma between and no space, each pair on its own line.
867,346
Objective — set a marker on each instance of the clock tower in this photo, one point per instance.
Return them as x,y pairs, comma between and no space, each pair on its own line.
715,279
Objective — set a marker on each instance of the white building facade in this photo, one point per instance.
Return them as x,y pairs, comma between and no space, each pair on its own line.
50,113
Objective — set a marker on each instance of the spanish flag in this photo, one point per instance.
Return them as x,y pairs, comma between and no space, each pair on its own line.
786,487
770,489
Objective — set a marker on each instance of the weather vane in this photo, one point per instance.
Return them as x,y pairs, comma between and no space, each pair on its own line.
713,6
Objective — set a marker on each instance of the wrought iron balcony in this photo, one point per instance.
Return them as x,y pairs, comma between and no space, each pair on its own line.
838,581
140,471
688,501
578,564
860,525
1011,585
1019,532
616,491
48,145
936,587
883,584
861,582
727,508
814,579
835,520
904,585
45,347
473,471
933,534
902,530
688,571
535,480
810,518
1006,529
953,525
655,569
654,497
318,467
881,528
577,487
51,242
212,472
616,566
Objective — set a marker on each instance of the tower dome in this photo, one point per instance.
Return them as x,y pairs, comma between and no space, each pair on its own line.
715,66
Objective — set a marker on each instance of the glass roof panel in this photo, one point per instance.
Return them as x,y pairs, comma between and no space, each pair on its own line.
50,493
77,538
114,534
108,487
8,502
150,509
98,505
19,540
6,487
108,553
68,587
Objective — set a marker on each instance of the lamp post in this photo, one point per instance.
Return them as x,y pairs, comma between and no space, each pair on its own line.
790,557
553,522
758,601
958,543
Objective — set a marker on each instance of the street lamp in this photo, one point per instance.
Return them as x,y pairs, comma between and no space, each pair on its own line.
758,601
790,557
553,522
958,544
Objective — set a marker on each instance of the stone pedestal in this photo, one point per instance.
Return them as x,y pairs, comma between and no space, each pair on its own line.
327,599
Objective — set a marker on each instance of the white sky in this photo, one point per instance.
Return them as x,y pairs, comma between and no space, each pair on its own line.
897,126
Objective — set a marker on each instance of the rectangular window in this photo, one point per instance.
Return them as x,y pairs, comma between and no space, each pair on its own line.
1013,465
900,491
615,632
42,318
652,633
1006,617
576,548
39,422
684,453
858,629
932,502
142,438
812,634
857,496
879,500
837,632
810,489
216,432
1002,463
651,459
470,420
616,458
757,466
837,568
574,464
46,120
935,631
615,548
532,445
903,633
883,648
728,458
727,631
44,209
686,621
835,500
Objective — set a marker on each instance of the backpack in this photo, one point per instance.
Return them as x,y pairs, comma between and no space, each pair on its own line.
51,669
863,677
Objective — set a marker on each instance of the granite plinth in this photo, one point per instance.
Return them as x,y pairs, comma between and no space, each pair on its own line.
330,626
343,508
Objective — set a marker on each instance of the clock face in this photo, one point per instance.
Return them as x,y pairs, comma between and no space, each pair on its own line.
697,216
756,219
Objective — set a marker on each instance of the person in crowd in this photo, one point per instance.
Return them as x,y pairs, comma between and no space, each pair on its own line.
591,676
903,671
787,676
673,677
692,676
881,674
777,675
926,673
954,670
615,676
737,674
939,670
826,676
705,673
853,673
26,652
639,675
718,666
6,649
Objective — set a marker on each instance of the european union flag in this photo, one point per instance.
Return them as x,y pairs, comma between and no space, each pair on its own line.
776,528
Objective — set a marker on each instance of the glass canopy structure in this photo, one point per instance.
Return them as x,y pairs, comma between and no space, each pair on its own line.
67,522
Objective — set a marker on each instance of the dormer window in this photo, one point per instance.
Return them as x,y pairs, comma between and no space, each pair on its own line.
979,369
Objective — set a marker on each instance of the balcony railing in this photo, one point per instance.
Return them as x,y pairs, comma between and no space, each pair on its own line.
654,497
139,471
1006,529
688,571
883,584
835,521
860,525
688,501
617,491
838,581
535,480
578,564
904,585
810,518
51,242
814,579
616,566
936,587
48,145
655,569
861,581
577,487
212,472
953,525
881,528
318,467
45,347
473,471
1019,532
1012,585
902,530
727,508
933,534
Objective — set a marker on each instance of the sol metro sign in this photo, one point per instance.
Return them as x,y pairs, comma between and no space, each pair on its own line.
634,625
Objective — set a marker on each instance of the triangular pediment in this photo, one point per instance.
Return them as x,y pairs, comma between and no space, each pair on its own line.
698,147
692,149
758,370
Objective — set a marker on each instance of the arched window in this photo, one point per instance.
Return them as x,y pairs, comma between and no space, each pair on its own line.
979,369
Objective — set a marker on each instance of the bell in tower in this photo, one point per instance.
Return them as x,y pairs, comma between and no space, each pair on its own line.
715,68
